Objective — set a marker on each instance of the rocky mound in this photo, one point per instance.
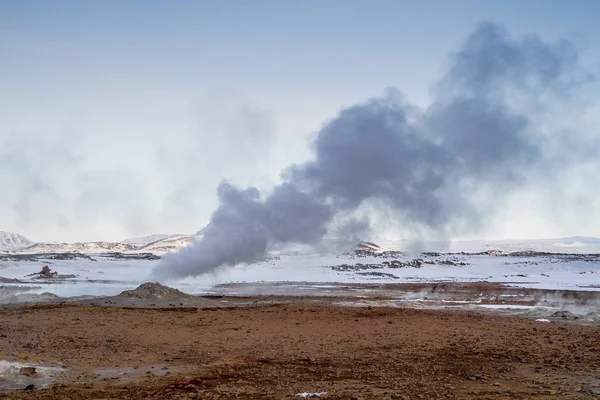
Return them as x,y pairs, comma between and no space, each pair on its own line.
565,315
155,291
47,273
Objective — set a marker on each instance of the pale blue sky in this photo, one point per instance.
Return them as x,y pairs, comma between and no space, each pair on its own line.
119,118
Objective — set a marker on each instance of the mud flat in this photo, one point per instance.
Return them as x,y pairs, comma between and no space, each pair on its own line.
577,306
277,347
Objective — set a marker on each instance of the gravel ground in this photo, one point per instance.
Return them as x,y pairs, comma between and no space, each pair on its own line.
276,351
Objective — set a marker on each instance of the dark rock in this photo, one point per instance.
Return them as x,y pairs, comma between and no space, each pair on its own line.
378,274
46,272
28,371
565,315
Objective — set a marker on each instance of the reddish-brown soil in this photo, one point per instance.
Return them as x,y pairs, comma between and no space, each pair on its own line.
277,351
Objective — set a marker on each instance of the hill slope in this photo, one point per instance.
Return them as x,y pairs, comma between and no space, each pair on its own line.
14,241
145,240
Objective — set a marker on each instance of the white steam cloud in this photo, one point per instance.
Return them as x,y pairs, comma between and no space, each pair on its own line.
443,169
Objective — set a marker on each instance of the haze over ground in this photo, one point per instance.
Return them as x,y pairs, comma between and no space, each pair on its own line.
120,119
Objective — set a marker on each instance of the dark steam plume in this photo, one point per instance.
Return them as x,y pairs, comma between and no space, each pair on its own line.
439,170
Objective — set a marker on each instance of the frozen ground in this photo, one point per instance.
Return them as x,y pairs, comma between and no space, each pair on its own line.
542,272
98,276
105,275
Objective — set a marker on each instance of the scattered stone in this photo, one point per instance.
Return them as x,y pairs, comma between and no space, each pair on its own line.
494,252
378,274
28,371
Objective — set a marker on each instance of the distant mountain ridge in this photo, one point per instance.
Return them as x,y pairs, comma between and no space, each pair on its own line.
159,244
80,247
581,239
156,244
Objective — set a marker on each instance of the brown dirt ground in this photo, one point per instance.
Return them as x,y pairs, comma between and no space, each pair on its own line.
276,351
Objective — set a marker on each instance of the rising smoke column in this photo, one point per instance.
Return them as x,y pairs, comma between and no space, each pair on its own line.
243,225
441,170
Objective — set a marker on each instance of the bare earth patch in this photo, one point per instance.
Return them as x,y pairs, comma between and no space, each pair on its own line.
278,351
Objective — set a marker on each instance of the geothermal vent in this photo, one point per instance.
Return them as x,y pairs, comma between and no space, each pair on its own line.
155,291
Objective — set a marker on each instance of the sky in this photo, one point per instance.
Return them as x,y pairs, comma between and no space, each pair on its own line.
120,118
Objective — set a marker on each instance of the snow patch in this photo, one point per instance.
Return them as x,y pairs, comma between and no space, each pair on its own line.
306,395
41,376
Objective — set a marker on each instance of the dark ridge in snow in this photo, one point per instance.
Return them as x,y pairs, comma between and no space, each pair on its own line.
146,240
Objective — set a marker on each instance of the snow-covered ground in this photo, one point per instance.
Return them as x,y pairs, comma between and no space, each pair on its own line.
105,275
571,245
547,272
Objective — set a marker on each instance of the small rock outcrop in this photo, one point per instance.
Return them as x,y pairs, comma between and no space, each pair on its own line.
47,273
28,371
155,291
565,315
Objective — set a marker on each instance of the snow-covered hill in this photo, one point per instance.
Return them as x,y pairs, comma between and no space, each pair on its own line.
80,247
13,241
168,244
573,245
156,244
